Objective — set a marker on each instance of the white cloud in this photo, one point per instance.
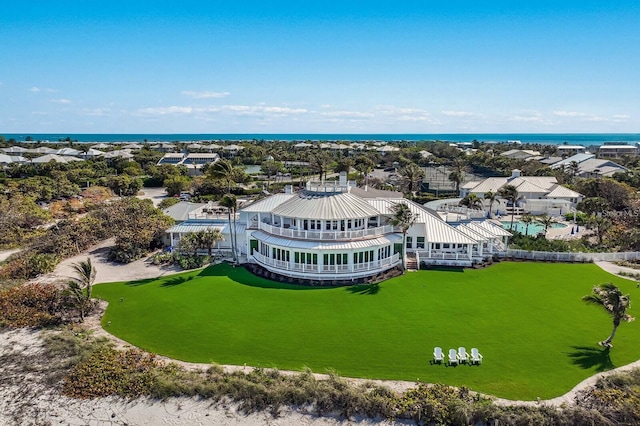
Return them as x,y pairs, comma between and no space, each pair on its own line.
204,95
404,114
96,112
458,113
263,110
240,110
166,110
34,89
570,114
61,101
347,114
533,118
619,118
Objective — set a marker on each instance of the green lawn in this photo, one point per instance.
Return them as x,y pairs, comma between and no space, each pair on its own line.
537,337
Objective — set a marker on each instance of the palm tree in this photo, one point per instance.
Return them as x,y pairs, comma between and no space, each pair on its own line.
79,288
546,221
412,174
510,193
456,177
231,203
471,201
223,170
364,165
527,219
320,162
404,218
574,169
189,243
209,237
614,302
492,197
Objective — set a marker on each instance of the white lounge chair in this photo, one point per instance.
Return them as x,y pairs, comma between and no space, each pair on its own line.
453,357
463,356
476,357
438,355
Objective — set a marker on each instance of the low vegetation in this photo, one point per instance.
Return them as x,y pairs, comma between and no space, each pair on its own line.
85,367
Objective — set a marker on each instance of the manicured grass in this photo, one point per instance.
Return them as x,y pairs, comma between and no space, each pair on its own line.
537,337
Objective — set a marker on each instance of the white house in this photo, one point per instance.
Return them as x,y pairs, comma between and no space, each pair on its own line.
539,194
334,231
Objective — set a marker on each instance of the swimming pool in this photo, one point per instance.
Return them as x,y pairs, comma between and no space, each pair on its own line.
534,228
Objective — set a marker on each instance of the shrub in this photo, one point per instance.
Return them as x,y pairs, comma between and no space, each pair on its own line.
189,261
110,372
28,264
168,202
163,258
31,305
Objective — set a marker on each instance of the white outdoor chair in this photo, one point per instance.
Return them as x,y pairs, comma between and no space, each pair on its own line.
438,355
476,357
453,357
463,356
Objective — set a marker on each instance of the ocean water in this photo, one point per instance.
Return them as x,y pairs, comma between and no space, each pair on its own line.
585,139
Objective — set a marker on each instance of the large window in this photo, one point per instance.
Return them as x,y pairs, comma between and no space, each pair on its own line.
307,258
419,242
335,259
409,241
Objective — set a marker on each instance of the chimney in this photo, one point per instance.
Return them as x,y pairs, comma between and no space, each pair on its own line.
515,173
288,189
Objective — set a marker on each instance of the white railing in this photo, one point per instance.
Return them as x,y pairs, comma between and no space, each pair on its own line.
324,234
447,262
569,256
443,255
210,215
327,269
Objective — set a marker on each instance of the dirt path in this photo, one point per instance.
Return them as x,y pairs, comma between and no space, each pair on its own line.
108,271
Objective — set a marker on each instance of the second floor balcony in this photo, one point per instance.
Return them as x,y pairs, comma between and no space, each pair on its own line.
328,235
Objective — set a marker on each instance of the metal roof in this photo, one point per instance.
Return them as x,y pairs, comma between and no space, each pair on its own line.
435,230
481,230
578,158
470,233
267,204
201,225
494,228
180,211
325,206
327,245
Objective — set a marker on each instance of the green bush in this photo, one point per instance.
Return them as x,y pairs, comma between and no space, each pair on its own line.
189,261
31,305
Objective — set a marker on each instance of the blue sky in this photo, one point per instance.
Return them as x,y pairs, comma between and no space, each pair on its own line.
319,67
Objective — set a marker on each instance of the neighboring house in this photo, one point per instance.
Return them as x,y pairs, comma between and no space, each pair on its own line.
563,150
56,158
179,212
599,167
614,151
576,158
12,159
334,231
520,154
540,194
589,166
193,160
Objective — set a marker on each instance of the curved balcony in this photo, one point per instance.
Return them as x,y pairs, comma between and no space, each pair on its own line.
328,235
326,272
